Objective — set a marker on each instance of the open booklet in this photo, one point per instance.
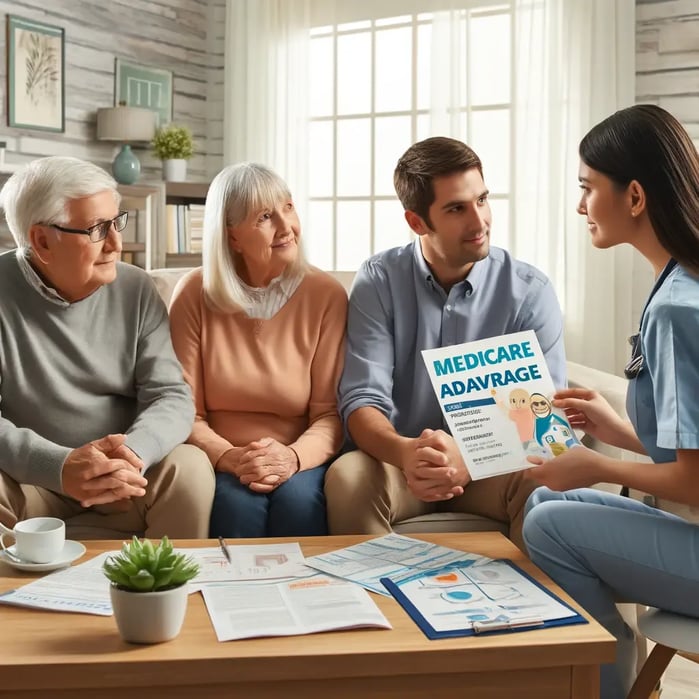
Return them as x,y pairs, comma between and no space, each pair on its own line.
308,605
482,596
496,398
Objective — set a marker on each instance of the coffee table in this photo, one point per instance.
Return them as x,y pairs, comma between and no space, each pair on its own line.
51,654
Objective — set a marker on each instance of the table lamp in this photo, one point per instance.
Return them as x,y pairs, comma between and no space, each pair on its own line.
126,125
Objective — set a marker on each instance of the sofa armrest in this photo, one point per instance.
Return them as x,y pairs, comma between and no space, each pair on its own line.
165,280
613,389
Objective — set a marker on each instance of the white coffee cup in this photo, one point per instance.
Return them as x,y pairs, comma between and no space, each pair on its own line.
37,540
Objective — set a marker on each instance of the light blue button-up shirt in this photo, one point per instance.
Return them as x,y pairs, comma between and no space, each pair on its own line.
397,309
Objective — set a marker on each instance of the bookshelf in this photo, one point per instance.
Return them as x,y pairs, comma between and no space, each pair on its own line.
147,241
140,237
184,218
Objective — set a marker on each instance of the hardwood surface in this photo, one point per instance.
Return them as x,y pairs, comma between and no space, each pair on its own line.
77,655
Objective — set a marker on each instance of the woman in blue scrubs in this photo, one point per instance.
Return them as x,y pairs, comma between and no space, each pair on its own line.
639,175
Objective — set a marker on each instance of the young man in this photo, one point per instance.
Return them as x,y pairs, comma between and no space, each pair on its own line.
448,286
93,399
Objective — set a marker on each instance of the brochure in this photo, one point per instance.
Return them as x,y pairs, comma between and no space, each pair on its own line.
263,562
484,597
496,398
299,607
83,588
391,555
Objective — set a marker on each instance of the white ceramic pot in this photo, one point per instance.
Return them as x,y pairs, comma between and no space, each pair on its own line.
149,617
175,170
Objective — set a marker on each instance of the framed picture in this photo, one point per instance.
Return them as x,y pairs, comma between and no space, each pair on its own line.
140,86
35,75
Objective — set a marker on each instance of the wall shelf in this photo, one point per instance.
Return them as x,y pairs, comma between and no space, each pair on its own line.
183,228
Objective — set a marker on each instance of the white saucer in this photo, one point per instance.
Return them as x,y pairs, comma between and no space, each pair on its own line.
72,550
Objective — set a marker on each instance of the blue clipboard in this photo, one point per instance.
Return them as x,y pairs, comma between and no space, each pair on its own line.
487,628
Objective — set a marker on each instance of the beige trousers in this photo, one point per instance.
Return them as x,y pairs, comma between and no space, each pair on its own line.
365,496
177,502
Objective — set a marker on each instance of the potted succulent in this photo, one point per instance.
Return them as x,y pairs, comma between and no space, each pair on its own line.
174,146
149,589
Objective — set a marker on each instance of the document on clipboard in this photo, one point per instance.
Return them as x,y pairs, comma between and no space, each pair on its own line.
494,596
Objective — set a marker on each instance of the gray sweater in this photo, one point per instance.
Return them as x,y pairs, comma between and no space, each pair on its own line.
72,374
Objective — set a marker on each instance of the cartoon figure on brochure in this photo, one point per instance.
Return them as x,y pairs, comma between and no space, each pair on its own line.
520,413
550,431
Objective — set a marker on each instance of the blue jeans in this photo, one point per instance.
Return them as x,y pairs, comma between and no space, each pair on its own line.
295,508
603,548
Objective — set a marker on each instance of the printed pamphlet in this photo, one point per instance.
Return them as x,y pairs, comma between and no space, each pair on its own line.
476,597
297,607
496,398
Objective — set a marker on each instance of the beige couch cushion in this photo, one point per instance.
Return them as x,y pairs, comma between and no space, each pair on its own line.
612,387
165,280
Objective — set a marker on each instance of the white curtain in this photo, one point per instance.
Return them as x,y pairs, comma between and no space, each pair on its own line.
265,117
573,65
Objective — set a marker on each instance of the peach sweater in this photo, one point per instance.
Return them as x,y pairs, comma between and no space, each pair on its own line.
254,378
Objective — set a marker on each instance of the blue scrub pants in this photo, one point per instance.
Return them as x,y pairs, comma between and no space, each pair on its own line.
602,549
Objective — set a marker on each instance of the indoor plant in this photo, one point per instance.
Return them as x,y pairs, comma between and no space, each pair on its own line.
148,590
174,145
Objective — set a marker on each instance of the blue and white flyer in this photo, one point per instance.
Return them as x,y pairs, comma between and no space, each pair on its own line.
496,397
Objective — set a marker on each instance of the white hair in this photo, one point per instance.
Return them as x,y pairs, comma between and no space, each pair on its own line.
234,193
39,192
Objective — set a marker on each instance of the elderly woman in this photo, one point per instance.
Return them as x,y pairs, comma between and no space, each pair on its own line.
260,336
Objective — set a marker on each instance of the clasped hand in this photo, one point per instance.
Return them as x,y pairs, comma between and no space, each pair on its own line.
433,467
103,471
262,465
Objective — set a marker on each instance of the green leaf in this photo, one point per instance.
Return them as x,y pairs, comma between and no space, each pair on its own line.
163,578
143,566
143,580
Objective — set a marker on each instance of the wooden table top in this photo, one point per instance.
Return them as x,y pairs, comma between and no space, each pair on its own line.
42,648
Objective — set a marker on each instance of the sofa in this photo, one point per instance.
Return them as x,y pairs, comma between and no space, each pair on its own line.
612,387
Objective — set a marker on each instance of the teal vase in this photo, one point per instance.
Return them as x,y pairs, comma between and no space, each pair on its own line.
126,167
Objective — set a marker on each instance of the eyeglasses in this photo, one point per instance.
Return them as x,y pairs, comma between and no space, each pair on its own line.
100,230
540,403
635,365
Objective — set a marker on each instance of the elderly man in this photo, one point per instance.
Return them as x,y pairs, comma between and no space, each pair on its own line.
92,398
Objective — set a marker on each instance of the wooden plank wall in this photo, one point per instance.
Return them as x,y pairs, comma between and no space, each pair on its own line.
169,34
667,58
667,74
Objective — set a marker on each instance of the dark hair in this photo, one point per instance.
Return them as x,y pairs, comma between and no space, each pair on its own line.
422,162
647,144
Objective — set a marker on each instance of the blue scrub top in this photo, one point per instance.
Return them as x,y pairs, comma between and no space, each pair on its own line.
663,400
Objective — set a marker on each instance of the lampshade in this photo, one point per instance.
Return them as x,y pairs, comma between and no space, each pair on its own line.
125,124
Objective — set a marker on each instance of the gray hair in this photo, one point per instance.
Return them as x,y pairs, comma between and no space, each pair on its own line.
234,193
39,192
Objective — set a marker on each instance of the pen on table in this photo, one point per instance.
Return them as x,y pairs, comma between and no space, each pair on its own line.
224,548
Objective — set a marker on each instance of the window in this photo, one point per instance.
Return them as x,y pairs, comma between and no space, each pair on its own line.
378,85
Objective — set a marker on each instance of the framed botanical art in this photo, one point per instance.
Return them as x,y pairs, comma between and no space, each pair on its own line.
35,75
140,86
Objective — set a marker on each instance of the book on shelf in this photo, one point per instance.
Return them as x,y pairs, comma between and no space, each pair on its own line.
184,227
495,395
